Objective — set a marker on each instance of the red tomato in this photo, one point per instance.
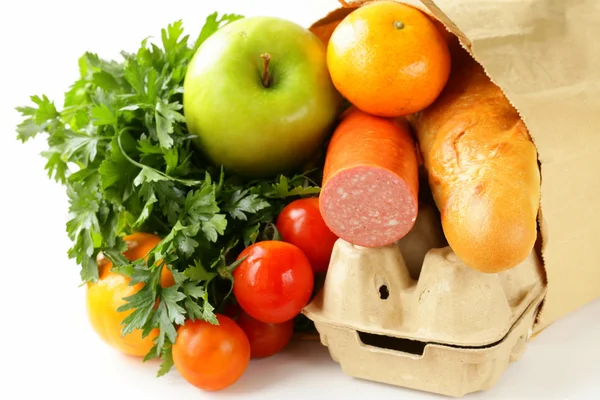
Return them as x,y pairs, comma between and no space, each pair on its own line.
300,223
211,357
265,339
274,282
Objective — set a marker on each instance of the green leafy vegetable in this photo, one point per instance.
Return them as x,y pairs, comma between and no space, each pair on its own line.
120,146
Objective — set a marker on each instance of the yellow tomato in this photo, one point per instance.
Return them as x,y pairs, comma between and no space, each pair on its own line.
106,295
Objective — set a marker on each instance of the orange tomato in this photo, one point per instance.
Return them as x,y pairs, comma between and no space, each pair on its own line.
211,357
139,244
388,59
106,295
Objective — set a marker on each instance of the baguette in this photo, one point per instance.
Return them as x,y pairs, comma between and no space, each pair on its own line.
482,168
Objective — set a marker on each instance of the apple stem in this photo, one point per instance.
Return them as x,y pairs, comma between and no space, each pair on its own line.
265,78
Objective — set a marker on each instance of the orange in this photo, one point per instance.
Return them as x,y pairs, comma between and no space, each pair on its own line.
106,295
388,59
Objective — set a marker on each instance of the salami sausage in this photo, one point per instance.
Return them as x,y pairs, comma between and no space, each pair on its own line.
370,187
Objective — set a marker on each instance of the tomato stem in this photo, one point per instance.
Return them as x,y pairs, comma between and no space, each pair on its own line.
227,270
272,233
398,24
265,78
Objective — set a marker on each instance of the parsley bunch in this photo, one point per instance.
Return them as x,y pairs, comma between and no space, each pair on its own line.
121,148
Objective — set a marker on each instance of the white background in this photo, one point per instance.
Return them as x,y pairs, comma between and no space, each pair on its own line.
48,347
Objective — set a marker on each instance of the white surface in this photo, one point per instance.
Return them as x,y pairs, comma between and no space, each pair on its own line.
48,347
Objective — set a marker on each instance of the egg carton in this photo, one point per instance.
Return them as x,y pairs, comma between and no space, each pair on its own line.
452,331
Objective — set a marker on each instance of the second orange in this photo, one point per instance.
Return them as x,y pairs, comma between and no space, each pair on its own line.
388,59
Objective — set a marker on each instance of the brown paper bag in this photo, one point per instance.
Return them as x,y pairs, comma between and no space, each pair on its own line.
545,56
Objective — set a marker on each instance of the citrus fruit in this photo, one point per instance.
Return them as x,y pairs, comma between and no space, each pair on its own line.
388,59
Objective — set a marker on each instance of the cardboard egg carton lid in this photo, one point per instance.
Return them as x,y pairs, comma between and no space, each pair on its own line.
371,291
432,367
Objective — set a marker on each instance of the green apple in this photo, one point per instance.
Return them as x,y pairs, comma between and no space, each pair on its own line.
258,97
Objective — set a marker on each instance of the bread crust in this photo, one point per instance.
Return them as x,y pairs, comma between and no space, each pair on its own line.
482,168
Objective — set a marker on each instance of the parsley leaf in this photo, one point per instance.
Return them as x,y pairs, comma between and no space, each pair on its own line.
80,146
241,202
116,172
213,23
149,196
199,273
46,109
167,361
207,311
102,115
170,297
167,115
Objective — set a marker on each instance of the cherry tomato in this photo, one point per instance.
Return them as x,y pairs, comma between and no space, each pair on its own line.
265,339
300,223
274,282
139,245
211,357
105,296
